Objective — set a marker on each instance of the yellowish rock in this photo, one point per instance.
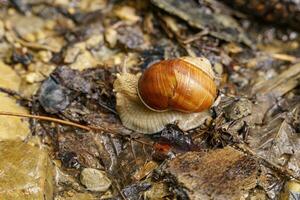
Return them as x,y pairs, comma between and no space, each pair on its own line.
73,51
11,127
61,2
157,191
11,80
94,41
53,44
79,57
26,25
11,11
45,56
71,10
111,36
30,37
40,35
83,61
26,172
291,190
128,14
95,180
50,24
92,5
33,77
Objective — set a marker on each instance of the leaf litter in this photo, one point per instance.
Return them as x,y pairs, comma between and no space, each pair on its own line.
67,55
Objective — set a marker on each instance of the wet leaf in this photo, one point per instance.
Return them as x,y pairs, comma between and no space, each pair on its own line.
219,174
219,25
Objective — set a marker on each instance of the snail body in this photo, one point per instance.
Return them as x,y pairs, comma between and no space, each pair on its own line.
179,90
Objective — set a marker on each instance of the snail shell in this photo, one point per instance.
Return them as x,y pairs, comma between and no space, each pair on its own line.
141,111
183,84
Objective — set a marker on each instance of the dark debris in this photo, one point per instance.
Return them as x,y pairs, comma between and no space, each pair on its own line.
259,89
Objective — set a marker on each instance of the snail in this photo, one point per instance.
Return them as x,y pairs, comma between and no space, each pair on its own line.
179,90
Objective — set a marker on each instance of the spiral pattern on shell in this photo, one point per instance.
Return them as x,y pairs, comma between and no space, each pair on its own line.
184,84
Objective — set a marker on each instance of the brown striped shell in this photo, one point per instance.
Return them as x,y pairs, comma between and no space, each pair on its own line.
184,84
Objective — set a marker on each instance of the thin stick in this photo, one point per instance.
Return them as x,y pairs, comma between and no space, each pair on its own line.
45,118
60,121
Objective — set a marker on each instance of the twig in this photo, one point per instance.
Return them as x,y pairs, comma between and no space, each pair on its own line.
59,121
45,118
197,36
119,190
14,94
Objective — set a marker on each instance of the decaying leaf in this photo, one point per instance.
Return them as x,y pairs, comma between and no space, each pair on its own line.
278,143
70,52
219,25
218,174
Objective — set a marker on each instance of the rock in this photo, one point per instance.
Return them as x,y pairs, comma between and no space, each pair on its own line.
62,178
239,109
53,97
72,79
26,172
134,191
11,80
111,37
157,191
83,61
95,180
291,191
72,52
219,174
11,127
79,57
6,50
94,41
26,26
131,37
127,14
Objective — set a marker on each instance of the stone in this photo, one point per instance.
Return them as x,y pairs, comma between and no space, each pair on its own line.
11,80
157,191
25,26
11,127
291,190
95,180
128,14
53,97
83,61
111,37
26,172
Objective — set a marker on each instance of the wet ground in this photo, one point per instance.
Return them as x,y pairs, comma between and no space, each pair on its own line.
59,60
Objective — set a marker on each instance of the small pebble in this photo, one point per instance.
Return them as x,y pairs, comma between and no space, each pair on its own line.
111,37
95,180
53,97
30,37
45,56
